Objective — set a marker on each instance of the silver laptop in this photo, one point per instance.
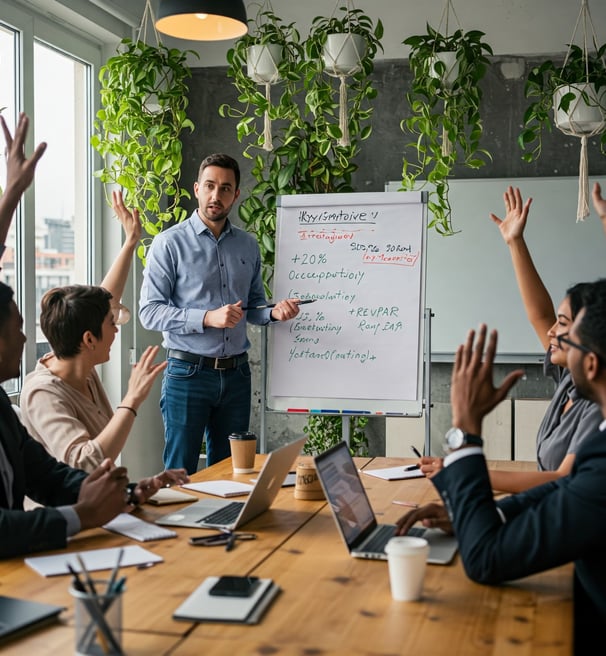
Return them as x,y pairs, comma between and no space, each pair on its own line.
217,513
354,516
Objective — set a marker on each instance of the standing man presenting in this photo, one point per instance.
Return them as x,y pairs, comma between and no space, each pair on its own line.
200,277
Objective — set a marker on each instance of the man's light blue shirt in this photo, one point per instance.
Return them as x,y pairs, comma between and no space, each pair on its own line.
189,272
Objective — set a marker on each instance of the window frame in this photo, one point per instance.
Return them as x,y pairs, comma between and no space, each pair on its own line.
32,28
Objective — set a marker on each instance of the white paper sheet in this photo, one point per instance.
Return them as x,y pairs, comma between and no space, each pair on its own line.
94,560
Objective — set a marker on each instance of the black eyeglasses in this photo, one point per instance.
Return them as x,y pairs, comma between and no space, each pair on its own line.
224,538
563,339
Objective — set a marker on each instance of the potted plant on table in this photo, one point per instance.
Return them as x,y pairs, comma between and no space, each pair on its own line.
445,100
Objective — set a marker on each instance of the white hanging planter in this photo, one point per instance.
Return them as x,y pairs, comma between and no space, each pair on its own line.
584,117
450,73
343,53
262,62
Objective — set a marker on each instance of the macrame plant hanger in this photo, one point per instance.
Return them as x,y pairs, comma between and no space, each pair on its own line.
447,145
259,76
148,19
584,17
333,67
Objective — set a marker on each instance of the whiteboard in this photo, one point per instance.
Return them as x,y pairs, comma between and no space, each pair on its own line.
358,348
470,278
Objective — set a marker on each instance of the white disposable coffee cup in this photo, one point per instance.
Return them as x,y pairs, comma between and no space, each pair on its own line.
407,560
243,448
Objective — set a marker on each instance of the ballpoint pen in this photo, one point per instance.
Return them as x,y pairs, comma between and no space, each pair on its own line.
272,305
411,467
416,451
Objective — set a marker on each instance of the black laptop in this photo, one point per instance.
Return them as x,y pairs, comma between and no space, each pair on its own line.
18,616
355,518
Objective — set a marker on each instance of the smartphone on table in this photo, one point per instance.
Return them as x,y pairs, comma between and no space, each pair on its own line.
234,586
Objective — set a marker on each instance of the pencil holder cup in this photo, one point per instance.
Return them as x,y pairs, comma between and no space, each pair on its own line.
98,620
307,485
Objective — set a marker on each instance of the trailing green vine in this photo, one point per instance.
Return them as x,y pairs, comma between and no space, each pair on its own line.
138,128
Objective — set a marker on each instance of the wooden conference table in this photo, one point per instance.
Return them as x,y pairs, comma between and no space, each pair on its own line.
330,603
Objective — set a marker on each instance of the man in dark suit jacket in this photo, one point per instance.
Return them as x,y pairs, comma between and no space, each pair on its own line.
546,526
73,499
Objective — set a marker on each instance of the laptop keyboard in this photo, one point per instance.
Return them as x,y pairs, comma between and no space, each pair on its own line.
416,532
379,539
224,516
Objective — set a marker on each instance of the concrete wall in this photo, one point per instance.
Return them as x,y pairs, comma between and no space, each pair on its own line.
380,161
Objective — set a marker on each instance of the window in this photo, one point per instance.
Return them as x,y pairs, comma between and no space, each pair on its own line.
48,72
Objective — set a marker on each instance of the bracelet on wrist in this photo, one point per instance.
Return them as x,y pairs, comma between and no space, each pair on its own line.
127,407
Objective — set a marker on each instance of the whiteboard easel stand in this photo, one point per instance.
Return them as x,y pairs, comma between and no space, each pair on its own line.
427,381
345,424
262,440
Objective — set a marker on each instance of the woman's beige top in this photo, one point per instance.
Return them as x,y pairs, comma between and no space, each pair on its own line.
63,419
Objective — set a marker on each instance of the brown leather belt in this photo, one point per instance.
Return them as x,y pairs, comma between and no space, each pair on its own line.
212,363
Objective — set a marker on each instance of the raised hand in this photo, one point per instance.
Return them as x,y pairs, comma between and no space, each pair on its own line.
142,377
512,226
599,204
130,221
473,394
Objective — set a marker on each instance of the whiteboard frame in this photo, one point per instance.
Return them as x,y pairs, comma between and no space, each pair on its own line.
470,278
352,407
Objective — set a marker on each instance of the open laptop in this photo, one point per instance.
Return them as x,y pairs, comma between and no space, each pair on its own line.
354,516
217,513
19,616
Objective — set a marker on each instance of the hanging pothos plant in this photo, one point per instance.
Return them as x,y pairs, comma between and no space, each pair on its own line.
445,100
307,156
138,128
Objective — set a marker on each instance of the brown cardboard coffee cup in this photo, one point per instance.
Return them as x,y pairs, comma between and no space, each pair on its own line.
243,448
307,485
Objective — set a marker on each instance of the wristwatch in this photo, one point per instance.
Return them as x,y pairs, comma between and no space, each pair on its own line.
455,438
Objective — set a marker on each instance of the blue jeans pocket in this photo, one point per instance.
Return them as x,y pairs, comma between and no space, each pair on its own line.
180,369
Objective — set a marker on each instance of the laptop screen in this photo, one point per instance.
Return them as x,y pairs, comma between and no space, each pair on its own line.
345,492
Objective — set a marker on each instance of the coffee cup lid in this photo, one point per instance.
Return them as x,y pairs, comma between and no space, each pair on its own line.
402,544
244,435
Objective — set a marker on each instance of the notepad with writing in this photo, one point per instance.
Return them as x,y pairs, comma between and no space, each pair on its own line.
200,606
394,473
221,488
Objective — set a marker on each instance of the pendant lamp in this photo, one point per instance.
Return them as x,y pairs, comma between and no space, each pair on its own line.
202,20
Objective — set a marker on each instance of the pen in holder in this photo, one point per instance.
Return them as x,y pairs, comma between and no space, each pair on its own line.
98,618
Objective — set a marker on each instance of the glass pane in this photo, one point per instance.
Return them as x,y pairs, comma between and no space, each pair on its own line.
61,111
8,103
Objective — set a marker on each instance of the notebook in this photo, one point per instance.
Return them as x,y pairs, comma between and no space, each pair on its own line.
201,606
18,616
355,518
138,529
214,513
169,495
221,488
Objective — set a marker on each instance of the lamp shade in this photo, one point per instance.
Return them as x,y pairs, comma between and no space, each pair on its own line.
202,20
